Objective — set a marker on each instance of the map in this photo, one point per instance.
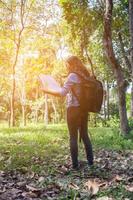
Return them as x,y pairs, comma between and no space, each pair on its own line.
49,84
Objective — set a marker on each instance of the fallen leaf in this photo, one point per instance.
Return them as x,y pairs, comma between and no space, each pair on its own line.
118,178
92,187
29,194
41,179
64,169
21,184
129,188
2,190
31,175
73,186
33,189
104,198
130,179
104,184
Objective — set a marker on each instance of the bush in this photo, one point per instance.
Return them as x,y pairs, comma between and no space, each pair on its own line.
130,123
113,122
113,109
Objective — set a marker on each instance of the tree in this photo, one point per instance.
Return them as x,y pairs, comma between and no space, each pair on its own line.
131,46
15,22
78,15
116,67
17,43
27,28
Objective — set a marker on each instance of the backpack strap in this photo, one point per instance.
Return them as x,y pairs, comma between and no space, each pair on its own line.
83,80
73,89
74,93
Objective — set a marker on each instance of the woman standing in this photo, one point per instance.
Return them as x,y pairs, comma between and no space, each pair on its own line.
77,120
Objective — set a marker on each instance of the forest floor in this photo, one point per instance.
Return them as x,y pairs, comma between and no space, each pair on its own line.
35,165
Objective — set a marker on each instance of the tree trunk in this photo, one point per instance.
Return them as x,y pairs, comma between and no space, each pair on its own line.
46,110
12,120
126,59
122,103
17,43
24,115
131,44
23,101
12,109
104,105
131,114
37,108
116,68
55,111
9,118
108,101
36,115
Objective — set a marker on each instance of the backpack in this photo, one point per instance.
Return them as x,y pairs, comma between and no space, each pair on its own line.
91,95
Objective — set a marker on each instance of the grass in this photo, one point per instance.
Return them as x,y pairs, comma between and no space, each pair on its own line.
109,138
19,147
42,149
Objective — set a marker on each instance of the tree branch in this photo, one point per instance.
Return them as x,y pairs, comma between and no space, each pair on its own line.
127,61
5,5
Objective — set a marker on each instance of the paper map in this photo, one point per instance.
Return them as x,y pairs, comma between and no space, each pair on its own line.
49,84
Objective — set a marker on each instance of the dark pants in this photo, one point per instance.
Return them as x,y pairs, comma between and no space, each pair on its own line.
77,122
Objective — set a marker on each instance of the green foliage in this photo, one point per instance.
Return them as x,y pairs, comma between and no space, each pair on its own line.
117,192
80,24
79,30
109,138
113,122
114,110
131,123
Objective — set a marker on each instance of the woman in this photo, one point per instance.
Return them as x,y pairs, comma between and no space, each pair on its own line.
76,119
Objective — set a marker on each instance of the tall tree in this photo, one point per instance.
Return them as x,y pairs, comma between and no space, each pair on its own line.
116,67
131,45
17,43
15,22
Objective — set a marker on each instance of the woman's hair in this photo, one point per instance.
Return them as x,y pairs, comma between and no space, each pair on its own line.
74,64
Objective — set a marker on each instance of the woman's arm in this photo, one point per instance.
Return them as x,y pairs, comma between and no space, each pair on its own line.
57,94
71,80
